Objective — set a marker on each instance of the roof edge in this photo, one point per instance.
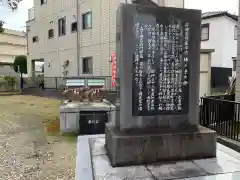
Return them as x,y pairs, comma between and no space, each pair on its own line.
232,16
207,51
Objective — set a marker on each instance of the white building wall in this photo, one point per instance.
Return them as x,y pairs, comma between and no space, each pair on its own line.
221,39
174,3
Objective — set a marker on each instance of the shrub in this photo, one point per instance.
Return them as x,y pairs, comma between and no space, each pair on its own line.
8,82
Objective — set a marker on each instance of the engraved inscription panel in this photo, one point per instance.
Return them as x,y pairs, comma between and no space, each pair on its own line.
160,66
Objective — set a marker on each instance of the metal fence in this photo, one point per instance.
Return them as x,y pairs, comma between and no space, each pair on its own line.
221,115
58,82
53,85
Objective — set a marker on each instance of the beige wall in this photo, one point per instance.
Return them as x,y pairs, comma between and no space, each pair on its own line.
174,3
12,43
58,49
205,74
98,42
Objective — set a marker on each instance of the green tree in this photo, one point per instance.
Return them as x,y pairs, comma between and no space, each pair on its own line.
20,64
13,5
1,26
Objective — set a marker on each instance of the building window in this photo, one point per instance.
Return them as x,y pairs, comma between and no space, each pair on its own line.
205,32
87,67
43,2
74,27
35,39
87,20
235,32
62,26
50,33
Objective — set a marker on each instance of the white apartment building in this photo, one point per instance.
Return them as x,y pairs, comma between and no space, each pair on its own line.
76,37
219,32
12,44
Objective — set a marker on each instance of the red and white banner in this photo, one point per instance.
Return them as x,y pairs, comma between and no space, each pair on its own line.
114,71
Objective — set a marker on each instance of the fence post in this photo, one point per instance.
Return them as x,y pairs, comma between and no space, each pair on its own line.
12,81
56,82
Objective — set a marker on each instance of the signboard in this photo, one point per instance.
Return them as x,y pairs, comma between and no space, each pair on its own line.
160,66
114,69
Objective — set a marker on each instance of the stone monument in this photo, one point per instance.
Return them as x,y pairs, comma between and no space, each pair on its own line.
158,53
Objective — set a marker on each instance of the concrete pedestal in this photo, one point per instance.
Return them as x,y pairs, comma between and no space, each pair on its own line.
132,148
72,113
146,130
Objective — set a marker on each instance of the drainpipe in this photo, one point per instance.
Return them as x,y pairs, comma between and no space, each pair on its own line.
109,36
27,39
238,41
100,7
27,27
78,47
238,53
27,49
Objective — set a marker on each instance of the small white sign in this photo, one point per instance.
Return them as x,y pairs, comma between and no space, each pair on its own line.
93,121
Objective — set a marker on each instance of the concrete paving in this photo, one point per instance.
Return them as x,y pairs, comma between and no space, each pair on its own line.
93,164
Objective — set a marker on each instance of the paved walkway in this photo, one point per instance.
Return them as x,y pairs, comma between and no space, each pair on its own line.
92,159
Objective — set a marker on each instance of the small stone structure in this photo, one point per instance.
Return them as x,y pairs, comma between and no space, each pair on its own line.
89,115
158,54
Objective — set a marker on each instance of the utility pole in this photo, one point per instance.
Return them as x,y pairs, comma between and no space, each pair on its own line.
237,97
78,41
238,33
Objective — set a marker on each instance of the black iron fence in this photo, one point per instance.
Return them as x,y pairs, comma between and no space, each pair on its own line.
221,115
52,86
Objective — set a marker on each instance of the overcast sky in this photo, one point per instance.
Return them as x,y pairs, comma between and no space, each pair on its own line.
16,20
213,5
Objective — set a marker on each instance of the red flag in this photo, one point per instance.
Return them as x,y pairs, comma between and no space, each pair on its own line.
114,69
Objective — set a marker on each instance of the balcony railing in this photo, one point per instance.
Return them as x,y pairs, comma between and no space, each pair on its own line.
31,14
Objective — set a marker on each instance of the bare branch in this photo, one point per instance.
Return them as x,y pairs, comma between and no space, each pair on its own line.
13,4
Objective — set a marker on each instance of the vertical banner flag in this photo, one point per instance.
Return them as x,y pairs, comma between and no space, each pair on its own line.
114,69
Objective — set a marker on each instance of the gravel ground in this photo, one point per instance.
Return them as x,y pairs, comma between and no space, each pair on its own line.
27,152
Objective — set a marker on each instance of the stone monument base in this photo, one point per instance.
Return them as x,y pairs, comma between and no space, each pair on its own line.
133,148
